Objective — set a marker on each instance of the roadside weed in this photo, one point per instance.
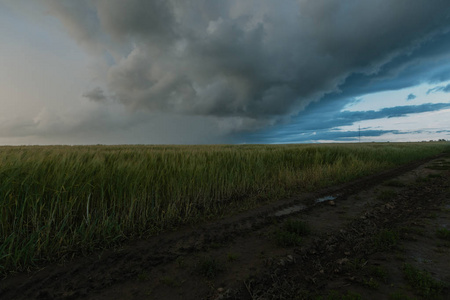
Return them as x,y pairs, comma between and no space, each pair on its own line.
422,282
399,296
209,267
291,233
395,183
288,239
232,257
335,295
386,240
443,233
386,195
298,227
371,283
379,272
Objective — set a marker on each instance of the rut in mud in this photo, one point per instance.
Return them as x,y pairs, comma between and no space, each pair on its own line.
361,238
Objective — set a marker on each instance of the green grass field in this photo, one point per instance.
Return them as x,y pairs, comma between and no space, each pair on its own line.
57,201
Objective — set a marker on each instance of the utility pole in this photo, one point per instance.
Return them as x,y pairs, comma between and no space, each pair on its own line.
359,133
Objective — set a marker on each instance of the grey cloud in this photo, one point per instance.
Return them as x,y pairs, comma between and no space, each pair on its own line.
80,20
152,20
112,126
411,97
257,61
95,95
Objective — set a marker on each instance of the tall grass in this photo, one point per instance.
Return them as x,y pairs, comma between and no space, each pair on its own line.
59,200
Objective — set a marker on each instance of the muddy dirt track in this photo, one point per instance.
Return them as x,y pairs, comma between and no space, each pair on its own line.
367,239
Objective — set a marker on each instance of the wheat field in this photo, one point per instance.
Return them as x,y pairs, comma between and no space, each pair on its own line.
60,201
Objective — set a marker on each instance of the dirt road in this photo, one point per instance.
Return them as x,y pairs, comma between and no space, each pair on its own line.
382,237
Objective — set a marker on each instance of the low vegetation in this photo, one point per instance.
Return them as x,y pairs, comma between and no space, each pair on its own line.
291,233
440,165
298,227
395,183
209,267
422,281
335,295
58,201
443,233
387,195
400,296
379,272
386,240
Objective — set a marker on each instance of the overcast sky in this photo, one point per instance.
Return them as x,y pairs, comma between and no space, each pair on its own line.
216,71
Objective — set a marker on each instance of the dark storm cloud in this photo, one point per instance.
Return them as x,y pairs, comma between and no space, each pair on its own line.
350,117
254,62
339,136
316,118
411,97
320,120
427,63
445,89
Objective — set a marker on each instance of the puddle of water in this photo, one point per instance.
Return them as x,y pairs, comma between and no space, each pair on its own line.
421,260
299,207
326,198
289,210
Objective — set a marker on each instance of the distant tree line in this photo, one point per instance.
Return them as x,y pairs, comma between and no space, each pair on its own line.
439,140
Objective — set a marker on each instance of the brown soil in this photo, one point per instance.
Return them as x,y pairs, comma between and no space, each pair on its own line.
359,245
